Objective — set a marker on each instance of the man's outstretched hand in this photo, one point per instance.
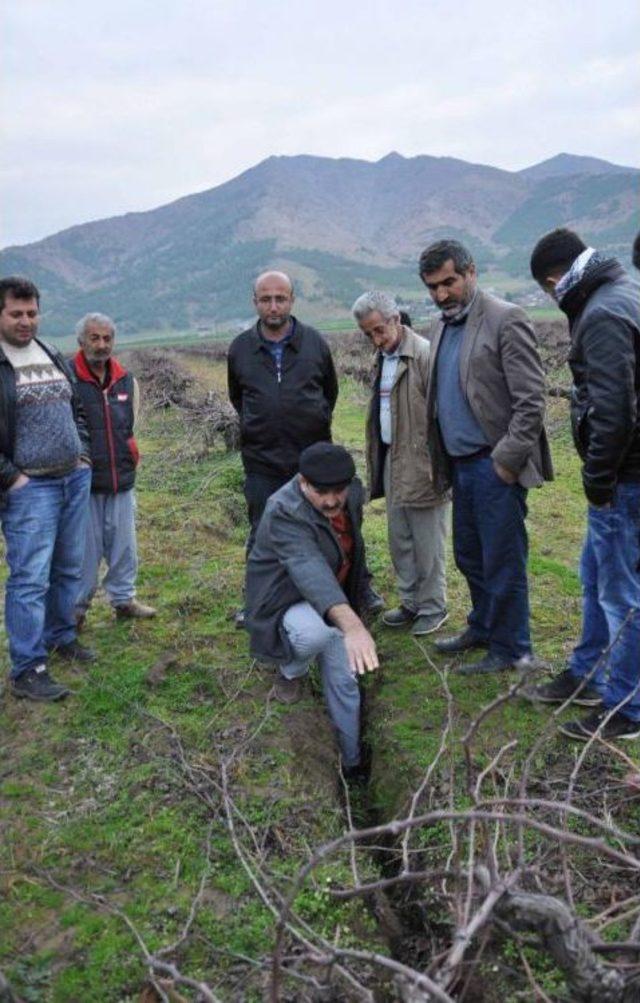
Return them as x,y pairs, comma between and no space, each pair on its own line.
361,648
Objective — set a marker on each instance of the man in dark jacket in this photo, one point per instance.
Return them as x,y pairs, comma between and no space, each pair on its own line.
485,408
44,491
305,577
283,385
603,307
111,399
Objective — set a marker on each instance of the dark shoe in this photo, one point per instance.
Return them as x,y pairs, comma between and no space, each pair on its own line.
486,666
618,726
428,623
465,641
134,610
561,688
74,652
37,684
399,617
355,776
240,619
287,691
372,601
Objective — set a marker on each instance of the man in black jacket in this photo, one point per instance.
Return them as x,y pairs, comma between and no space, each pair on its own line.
44,491
283,385
110,396
305,580
603,307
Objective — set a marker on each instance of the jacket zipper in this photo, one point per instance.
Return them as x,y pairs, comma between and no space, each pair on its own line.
109,431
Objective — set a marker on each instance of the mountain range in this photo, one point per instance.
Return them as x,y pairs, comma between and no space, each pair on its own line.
337,225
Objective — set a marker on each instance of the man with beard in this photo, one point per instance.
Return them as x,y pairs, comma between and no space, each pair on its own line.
111,397
283,384
44,491
305,575
602,305
485,407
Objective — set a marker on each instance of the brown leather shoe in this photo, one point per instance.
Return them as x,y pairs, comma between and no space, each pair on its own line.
287,690
134,610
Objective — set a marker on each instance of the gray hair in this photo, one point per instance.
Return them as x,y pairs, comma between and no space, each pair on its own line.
373,301
93,318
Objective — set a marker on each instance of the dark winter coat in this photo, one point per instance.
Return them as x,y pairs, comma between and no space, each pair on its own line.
110,417
296,557
279,418
604,318
8,470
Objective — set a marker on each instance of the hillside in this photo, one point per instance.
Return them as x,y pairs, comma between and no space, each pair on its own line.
337,225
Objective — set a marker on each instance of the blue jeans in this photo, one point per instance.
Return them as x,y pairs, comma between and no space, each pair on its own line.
311,638
44,526
490,548
611,602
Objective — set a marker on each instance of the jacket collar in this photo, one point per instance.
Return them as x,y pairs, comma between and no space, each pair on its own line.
115,371
608,270
258,342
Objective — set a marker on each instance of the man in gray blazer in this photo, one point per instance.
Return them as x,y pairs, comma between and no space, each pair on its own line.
485,408
306,579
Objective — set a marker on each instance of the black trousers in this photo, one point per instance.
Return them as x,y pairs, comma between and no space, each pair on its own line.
258,488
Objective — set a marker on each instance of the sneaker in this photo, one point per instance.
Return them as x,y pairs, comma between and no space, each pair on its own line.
399,617
427,623
486,666
356,775
134,610
74,652
618,726
465,641
37,684
287,691
561,688
240,619
372,601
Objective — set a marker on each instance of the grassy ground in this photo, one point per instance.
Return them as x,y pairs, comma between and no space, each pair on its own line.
113,812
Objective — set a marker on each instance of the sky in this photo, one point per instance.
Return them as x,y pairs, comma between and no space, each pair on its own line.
119,106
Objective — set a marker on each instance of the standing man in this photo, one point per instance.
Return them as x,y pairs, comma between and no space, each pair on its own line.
485,409
603,307
283,385
44,493
305,576
110,397
399,467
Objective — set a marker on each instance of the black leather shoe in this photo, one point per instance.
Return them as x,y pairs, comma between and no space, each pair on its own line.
74,652
465,641
37,684
486,666
372,601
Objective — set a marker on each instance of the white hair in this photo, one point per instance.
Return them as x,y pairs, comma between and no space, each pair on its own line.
373,301
93,318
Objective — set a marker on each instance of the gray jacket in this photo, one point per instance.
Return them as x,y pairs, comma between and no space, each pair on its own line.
502,377
295,557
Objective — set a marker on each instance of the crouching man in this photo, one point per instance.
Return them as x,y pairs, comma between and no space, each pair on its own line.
305,580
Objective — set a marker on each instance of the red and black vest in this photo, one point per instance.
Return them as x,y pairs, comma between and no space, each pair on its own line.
108,409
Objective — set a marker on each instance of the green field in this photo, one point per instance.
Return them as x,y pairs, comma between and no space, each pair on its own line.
165,808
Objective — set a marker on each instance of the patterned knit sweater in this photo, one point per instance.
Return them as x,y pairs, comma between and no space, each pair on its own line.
47,441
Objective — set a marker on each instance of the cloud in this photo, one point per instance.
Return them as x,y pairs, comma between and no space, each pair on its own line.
122,106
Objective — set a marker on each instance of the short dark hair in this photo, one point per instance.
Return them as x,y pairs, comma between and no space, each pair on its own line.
636,251
19,288
437,254
555,253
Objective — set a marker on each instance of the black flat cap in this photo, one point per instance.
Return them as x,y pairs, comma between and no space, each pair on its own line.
326,465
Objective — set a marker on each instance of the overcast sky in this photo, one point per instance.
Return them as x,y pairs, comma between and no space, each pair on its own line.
119,105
